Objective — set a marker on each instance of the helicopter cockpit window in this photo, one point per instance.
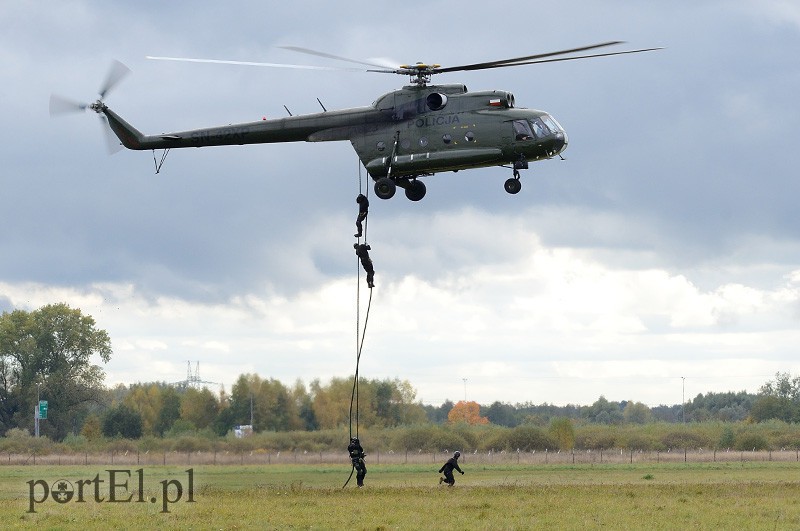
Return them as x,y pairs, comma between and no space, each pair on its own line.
522,130
539,128
551,123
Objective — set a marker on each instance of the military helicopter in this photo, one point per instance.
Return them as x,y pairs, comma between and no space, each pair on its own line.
416,131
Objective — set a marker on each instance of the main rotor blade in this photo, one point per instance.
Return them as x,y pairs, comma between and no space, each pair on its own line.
61,105
517,60
250,63
115,74
563,59
337,57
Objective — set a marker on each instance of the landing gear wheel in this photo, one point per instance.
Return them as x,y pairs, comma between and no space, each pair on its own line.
513,186
415,190
385,188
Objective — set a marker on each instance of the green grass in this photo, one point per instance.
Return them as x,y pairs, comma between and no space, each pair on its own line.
654,496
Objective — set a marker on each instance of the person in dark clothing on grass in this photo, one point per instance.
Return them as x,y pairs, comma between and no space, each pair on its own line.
363,210
362,251
357,456
448,467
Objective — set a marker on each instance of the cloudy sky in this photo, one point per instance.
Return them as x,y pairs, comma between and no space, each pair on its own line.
666,246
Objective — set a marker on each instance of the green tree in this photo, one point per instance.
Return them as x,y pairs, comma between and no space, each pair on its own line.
122,421
305,406
778,399
636,413
502,414
49,352
170,410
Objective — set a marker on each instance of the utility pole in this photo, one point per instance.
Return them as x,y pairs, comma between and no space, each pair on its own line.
683,398
36,411
465,389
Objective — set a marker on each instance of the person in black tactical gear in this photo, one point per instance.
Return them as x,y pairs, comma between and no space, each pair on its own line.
362,251
448,467
363,210
357,456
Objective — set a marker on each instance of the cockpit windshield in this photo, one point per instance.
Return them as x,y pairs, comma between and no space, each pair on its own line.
536,128
551,123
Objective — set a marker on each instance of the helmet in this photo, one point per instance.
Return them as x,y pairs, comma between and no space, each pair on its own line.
354,439
355,246
457,454
360,198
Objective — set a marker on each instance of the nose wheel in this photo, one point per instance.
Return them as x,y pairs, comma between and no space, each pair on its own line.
513,185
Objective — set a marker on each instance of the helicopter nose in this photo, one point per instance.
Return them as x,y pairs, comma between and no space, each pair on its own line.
561,142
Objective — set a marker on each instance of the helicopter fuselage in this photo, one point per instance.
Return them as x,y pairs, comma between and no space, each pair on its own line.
404,134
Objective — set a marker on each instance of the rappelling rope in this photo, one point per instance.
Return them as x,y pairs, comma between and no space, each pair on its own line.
360,335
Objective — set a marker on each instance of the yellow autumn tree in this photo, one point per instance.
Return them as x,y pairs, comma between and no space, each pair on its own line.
469,412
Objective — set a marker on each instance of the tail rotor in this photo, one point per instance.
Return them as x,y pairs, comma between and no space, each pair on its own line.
60,105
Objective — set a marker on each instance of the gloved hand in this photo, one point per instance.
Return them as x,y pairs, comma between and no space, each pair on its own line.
462,473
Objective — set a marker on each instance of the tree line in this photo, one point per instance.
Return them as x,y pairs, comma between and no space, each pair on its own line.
47,353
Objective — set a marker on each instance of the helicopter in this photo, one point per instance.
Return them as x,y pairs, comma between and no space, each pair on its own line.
416,131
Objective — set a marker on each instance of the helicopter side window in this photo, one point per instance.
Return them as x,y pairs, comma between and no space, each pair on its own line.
522,130
539,128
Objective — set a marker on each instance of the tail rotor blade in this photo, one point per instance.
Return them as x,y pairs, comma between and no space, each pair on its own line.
112,142
60,105
115,74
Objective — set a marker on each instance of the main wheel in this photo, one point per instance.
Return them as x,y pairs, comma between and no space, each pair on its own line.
385,188
513,186
415,190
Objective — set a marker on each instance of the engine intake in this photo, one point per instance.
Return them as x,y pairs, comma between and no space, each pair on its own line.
436,101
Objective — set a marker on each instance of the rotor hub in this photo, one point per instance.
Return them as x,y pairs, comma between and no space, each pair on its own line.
98,106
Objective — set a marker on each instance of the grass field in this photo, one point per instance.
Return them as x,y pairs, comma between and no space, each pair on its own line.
744,495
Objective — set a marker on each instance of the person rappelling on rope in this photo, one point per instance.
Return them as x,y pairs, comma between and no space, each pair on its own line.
357,456
363,210
362,251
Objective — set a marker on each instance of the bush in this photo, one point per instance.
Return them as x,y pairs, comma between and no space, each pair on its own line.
727,439
638,441
751,441
686,438
524,438
595,437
